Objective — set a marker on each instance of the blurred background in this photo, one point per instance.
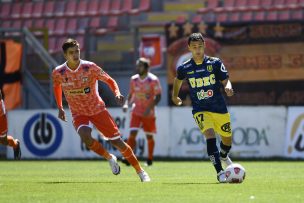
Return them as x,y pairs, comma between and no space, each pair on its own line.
261,43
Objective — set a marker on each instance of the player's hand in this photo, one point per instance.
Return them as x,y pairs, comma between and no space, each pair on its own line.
125,108
177,101
229,92
61,115
119,99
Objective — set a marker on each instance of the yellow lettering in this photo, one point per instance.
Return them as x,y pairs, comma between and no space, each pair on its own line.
206,81
199,82
75,92
212,79
192,82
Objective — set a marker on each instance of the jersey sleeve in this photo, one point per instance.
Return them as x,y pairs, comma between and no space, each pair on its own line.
57,88
221,72
103,76
180,74
131,91
56,78
100,73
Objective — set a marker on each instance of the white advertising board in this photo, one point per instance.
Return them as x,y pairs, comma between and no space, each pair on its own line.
43,135
294,144
257,132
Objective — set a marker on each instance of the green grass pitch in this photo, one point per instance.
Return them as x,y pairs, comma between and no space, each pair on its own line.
92,181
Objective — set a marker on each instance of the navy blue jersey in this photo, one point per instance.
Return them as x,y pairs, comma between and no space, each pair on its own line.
205,82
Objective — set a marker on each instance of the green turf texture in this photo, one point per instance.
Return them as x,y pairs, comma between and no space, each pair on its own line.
92,181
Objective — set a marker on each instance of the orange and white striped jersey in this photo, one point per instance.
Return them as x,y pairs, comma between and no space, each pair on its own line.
80,87
143,92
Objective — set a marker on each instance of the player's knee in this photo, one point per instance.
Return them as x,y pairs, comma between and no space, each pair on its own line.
149,136
119,144
209,133
227,140
85,135
133,133
88,140
84,131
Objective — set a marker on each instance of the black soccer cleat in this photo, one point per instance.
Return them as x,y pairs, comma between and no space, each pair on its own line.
149,162
17,151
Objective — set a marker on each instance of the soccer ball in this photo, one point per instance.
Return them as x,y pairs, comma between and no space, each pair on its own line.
235,173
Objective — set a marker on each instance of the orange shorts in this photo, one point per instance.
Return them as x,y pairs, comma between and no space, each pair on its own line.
103,122
148,124
3,125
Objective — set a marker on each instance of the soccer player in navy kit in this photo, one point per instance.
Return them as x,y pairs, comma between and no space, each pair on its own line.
205,76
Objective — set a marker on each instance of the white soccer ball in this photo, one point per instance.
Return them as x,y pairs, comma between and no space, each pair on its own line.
235,173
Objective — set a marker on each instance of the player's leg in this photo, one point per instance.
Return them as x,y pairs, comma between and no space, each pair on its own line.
132,139
151,144
132,143
86,137
9,140
149,126
128,154
214,154
107,126
135,124
205,123
84,129
225,149
223,128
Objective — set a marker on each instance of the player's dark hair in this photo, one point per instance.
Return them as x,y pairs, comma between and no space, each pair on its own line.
144,61
68,44
195,37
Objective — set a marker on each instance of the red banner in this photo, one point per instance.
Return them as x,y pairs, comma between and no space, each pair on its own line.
151,48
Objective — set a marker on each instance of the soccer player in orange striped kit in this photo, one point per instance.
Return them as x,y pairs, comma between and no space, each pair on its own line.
144,94
5,139
77,79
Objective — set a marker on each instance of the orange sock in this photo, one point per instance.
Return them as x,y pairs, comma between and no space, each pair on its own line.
151,144
131,158
98,149
132,142
11,141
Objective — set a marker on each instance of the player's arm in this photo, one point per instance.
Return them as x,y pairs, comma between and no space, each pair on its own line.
129,97
127,102
228,87
223,76
157,97
58,97
152,104
103,76
115,89
176,87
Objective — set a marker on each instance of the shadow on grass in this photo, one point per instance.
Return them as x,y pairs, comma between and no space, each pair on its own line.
78,182
191,183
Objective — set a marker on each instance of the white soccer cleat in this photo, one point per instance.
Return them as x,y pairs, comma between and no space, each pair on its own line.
227,161
144,177
221,177
114,165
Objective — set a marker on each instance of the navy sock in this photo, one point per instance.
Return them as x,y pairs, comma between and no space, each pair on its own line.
224,150
214,154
